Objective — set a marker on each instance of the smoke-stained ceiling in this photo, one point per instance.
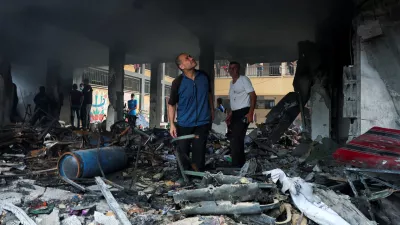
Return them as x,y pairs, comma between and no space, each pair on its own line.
78,32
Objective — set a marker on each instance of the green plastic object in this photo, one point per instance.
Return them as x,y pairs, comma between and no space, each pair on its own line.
47,210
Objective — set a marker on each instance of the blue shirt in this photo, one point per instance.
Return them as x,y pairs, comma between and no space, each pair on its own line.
132,104
191,97
221,108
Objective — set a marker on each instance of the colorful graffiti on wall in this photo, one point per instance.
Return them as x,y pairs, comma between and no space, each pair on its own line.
99,106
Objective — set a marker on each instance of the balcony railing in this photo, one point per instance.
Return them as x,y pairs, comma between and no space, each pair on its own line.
258,71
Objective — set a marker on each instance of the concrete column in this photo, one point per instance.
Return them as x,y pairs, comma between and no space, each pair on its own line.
6,92
243,66
163,93
65,87
284,68
116,75
143,85
157,75
206,60
53,87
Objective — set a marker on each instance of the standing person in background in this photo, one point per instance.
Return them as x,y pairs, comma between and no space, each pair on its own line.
220,107
42,104
132,105
260,69
87,103
243,100
75,99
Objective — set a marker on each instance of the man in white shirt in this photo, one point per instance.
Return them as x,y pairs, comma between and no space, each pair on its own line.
243,100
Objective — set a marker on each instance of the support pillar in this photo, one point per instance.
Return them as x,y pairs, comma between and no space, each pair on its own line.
116,75
243,66
284,69
163,93
157,75
6,92
206,60
143,86
53,87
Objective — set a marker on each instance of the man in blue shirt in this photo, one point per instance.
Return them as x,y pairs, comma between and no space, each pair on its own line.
220,107
191,98
132,105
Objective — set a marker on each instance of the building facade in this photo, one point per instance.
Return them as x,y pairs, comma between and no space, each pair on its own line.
271,81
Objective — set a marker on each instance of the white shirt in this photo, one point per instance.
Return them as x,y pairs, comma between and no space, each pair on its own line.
239,93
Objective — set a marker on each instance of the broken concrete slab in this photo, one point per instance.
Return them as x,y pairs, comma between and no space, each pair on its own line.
53,218
11,197
146,219
33,193
72,220
102,206
53,193
343,206
100,218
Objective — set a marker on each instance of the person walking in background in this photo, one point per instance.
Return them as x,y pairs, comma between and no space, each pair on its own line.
75,99
132,106
243,100
87,103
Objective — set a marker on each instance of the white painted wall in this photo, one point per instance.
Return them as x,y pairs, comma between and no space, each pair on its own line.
377,107
319,116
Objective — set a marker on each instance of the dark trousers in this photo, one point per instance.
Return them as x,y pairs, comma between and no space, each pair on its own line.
75,110
37,115
132,120
239,129
85,115
196,146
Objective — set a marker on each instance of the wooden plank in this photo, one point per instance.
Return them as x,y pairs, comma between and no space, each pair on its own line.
114,206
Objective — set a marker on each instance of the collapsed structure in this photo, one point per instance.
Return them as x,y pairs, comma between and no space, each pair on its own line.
337,168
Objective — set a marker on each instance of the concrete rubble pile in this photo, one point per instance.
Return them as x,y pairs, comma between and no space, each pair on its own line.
56,175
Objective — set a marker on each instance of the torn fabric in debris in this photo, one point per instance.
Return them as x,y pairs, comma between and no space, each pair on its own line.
302,195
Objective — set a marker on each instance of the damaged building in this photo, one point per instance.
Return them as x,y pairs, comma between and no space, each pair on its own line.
324,148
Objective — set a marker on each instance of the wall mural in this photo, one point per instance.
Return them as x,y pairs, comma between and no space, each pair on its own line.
99,106
101,103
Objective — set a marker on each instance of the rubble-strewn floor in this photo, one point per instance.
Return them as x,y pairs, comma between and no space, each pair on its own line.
154,193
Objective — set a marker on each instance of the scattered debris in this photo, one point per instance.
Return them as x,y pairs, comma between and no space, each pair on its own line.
141,180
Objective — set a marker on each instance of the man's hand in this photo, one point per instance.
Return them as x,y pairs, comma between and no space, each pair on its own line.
250,117
228,118
172,131
212,115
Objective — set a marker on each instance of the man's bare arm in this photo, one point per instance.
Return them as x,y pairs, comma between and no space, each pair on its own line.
171,113
171,119
253,100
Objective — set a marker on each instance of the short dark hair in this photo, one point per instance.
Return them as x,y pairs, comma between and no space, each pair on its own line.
178,60
42,89
132,95
219,100
235,63
74,86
